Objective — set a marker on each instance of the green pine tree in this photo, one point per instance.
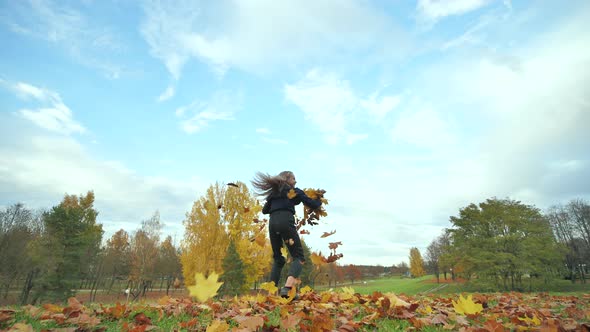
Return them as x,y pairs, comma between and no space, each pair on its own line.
233,277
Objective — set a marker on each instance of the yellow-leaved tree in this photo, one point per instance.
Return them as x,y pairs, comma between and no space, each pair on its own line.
240,209
205,240
225,213
416,263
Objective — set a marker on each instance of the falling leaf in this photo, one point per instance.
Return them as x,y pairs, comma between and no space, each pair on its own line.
317,259
334,245
260,239
284,251
304,231
466,306
326,234
205,289
333,258
233,185
291,194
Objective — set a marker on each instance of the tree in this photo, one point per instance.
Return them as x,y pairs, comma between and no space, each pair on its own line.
433,253
205,237
68,247
503,240
117,257
416,263
144,255
353,273
403,268
224,214
240,208
168,264
19,227
569,225
233,277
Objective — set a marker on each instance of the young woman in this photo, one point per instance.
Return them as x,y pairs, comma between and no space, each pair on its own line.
281,198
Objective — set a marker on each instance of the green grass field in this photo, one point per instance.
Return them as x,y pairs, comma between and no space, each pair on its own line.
425,285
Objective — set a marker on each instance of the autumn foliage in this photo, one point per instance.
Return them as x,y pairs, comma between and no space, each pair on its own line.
341,310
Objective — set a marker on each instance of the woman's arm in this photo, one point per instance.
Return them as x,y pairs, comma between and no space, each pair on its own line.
306,200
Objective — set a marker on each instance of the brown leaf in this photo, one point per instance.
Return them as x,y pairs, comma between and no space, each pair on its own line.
334,245
493,326
142,319
250,322
291,321
326,234
6,315
21,327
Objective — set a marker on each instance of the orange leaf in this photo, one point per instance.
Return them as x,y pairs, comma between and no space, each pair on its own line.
291,194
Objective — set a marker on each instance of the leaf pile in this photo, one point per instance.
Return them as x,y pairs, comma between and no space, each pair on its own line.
342,310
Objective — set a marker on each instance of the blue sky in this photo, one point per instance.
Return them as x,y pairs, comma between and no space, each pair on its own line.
404,111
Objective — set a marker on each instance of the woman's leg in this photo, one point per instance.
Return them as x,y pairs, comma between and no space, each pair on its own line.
276,243
296,252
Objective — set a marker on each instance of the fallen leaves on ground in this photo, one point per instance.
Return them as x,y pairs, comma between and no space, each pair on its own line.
336,310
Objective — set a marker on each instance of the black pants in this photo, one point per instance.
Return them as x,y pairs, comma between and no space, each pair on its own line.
281,228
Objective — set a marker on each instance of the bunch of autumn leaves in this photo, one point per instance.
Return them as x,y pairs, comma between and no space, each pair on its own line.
206,288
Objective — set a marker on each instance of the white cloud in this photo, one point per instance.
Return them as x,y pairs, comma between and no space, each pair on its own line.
522,110
40,169
437,9
378,109
331,105
167,94
257,35
424,128
264,131
221,107
274,140
56,116
63,25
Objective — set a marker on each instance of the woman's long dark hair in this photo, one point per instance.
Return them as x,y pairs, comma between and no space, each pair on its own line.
267,185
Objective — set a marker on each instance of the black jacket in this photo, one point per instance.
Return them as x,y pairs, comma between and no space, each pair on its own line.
280,201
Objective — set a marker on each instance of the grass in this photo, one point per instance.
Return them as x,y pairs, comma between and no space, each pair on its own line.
408,286
425,285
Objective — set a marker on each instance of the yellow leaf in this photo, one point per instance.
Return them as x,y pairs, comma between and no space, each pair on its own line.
396,301
317,259
291,294
205,289
291,194
260,298
22,327
260,239
305,290
270,287
284,252
531,321
218,326
466,306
